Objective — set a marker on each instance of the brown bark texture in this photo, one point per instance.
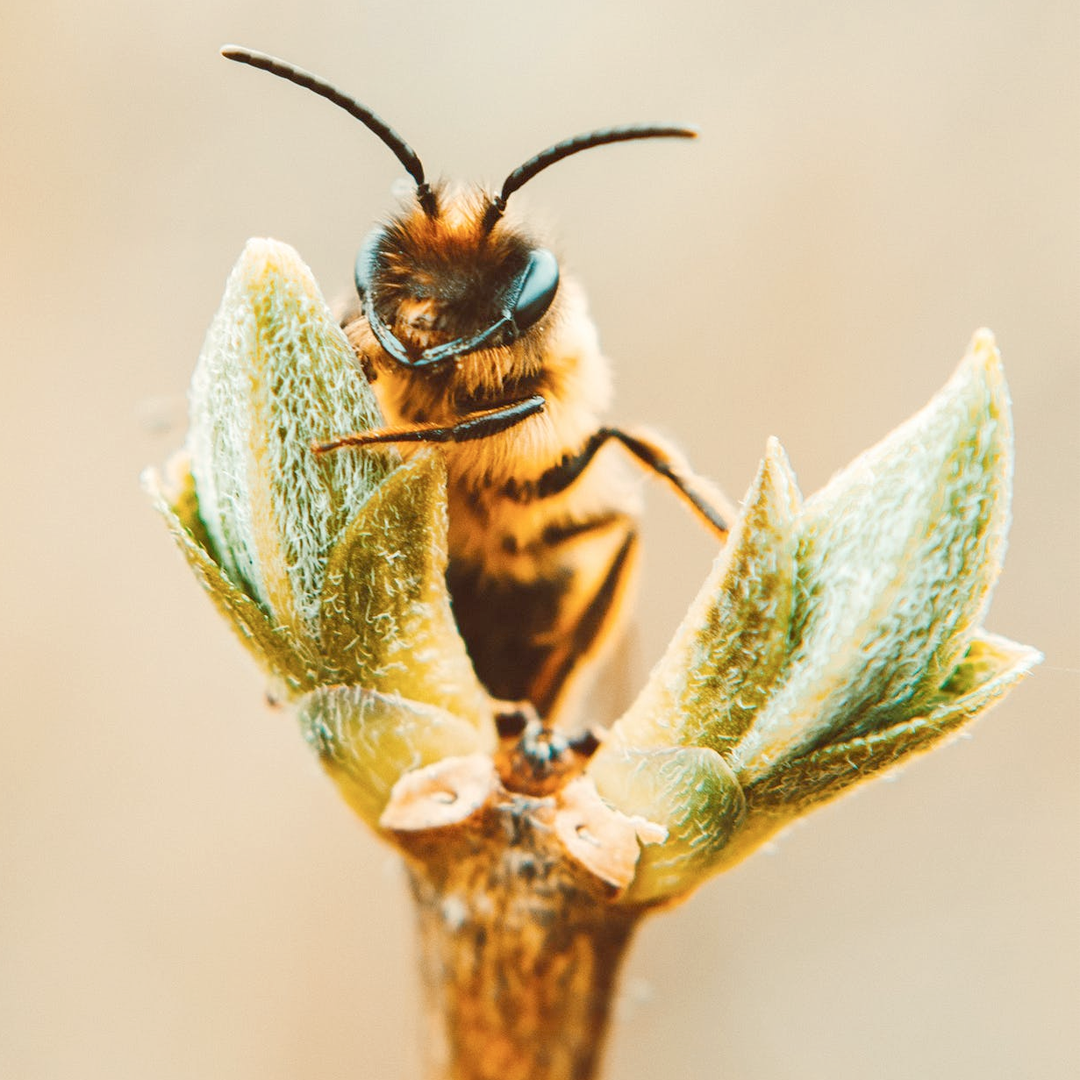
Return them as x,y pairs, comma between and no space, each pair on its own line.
519,947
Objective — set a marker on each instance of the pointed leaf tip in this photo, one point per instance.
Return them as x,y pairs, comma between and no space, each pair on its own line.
276,373
988,671
896,557
724,658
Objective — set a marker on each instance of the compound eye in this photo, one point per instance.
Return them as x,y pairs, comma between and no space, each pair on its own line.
535,288
367,259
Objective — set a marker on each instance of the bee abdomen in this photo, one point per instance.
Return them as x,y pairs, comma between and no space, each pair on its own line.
527,635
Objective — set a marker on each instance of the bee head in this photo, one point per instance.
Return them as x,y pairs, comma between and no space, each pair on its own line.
438,286
446,279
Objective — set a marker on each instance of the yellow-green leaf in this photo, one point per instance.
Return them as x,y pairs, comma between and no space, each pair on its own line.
691,792
895,560
367,741
287,659
386,621
992,665
276,373
724,658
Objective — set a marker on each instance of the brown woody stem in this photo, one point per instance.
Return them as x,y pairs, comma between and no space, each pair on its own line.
519,949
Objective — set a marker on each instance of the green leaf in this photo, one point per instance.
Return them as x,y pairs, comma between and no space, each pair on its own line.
990,668
688,790
386,621
287,659
367,741
723,661
276,373
895,560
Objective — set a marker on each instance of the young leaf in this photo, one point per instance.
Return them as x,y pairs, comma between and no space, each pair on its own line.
287,659
275,374
367,741
690,792
385,618
724,659
895,560
990,668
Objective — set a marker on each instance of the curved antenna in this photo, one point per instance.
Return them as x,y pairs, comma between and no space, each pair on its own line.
574,145
402,150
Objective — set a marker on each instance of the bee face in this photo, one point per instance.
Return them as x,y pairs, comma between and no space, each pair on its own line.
436,288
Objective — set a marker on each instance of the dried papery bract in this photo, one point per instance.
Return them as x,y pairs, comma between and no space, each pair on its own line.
834,638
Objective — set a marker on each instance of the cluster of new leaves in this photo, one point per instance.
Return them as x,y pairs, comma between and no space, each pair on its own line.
330,568
834,637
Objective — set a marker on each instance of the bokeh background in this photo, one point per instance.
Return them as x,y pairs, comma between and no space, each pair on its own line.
182,894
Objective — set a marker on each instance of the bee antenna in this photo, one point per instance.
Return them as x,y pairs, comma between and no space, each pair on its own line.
574,145
402,150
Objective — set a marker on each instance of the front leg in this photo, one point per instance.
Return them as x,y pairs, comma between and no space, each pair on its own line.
475,425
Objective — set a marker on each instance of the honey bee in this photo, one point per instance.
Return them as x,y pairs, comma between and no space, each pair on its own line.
473,338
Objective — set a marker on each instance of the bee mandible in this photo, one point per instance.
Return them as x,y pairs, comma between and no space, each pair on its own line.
473,338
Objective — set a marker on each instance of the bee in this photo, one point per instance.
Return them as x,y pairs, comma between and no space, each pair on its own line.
473,338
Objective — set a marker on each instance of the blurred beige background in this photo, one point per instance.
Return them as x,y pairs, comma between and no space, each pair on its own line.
181,892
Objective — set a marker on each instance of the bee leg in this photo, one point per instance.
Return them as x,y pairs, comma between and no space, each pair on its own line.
475,425
513,717
534,757
593,629
652,452
664,460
